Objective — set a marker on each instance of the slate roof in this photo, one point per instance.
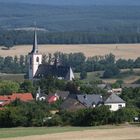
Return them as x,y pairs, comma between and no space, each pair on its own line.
90,100
45,70
62,94
71,104
35,46
113,98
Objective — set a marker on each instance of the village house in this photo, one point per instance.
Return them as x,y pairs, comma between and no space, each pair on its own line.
72,104
51,97
114,102
7,99
117,91
80,101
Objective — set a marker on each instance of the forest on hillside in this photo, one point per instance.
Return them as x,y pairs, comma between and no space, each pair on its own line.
69,24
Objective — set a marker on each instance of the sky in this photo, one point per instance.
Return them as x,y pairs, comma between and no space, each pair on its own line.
78,2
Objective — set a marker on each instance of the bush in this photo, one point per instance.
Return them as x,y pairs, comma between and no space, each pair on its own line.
92,117
54,121
83,75
111,71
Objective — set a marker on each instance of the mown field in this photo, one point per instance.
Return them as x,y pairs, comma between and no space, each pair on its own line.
72,133
126,76
13,77
125,51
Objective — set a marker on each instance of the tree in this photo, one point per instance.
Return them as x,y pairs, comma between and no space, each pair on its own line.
8,87
83,75
27,86
8,42
111,71
137,62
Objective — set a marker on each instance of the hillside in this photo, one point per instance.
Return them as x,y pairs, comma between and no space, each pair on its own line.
97,19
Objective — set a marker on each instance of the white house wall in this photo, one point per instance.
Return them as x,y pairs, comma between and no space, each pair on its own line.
115,106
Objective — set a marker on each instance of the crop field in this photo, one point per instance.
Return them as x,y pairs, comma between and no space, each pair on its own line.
125,51
72,133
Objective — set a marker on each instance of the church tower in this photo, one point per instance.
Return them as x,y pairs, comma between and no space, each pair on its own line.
35,59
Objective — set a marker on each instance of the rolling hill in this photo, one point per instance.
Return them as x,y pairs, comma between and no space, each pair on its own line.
99,19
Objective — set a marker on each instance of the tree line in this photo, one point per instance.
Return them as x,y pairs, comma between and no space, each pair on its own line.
77,61
37,114
9,38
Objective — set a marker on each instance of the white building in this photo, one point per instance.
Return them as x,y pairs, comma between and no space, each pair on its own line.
38,70
114,102
35,59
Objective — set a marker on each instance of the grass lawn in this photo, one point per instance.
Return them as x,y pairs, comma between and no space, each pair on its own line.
21,131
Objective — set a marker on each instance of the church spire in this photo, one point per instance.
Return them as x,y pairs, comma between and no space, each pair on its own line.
35,45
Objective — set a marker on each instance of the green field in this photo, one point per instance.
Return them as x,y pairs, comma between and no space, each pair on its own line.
126,76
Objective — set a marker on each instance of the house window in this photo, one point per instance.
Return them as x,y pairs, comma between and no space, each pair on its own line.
119,106
109,106
37,59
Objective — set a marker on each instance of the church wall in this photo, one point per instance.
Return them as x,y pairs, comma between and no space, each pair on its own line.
34,62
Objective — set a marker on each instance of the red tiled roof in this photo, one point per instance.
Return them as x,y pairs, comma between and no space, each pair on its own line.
1,108
22,96
5,98
25,97
5,103
52,99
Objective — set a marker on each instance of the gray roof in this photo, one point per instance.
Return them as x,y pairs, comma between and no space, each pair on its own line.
62,94
45,70
113,98
90,100
35,45
71,104
104,86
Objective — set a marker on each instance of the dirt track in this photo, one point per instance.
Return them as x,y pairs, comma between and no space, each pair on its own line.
130,133
120,50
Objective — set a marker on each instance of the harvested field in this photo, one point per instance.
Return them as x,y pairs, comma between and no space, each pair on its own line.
120,50
126,133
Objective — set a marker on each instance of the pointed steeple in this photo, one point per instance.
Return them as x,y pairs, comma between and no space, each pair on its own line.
35,45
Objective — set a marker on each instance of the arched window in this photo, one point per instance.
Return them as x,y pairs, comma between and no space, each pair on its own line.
37,59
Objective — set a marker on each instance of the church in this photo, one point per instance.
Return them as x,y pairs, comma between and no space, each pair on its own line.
37,70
